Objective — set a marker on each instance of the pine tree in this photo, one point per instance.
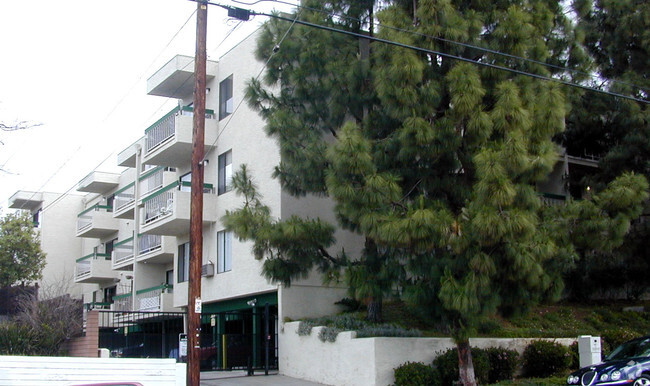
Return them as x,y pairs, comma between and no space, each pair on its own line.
433,160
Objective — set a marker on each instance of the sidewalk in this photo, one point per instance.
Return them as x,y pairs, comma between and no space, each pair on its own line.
239,378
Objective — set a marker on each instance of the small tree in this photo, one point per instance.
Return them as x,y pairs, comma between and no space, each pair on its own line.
21,257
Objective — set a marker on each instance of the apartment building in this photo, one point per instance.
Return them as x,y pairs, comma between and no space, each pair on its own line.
127,238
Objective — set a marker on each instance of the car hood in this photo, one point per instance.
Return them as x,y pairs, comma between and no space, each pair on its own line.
608,366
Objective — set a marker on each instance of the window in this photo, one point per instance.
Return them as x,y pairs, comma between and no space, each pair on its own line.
224,251
225,98
183,262
225,172
36,218
109,292
169,277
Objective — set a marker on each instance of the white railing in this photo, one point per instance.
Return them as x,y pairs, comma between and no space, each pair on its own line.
148,243
122,302
150,299
123,251
159,204
83,267
124,197
152,181
85,218
165,129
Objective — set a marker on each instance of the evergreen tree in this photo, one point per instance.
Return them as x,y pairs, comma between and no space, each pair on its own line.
618,131
433,160
21,257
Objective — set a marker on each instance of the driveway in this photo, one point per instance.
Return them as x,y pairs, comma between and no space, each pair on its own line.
239,378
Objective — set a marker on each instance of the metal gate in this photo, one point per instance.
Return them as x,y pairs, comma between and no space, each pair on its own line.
243,339
141,334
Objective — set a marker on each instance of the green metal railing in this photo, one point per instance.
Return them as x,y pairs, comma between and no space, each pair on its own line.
85,218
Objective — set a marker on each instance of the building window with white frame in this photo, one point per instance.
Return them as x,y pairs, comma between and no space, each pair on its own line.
224,251
183,265
225,172
225,98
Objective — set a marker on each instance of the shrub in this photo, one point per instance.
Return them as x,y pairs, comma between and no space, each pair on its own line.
415,374
446,365
16,339
328,334
575,356
544,358
615,337
304,328
502,364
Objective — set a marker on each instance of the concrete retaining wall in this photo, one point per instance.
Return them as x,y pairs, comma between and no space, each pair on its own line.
367,361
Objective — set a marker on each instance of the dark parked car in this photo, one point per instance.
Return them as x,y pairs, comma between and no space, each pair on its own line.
628,364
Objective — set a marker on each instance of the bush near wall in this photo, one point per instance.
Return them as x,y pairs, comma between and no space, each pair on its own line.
544,358
490,366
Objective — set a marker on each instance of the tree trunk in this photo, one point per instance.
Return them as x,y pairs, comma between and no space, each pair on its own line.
375,314
465,365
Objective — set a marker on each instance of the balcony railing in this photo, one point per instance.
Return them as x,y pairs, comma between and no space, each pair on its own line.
123,251
165,128
151,299
83,267
152,180
161,203
550,199
123,302
149,243
124,197
97,306
85,218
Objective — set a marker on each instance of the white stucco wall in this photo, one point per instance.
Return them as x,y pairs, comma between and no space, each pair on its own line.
367,361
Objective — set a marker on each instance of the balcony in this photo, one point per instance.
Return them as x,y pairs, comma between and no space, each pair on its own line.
155,179
94,268
168,142
155,299
97,222
167,212
176,78
123,254
156,249
550,199
98,182
124,202
123,302
26,200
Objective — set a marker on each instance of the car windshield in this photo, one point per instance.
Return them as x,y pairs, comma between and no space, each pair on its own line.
631,349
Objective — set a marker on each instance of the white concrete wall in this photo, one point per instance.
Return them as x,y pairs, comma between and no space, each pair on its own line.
59,242
367,361
53,371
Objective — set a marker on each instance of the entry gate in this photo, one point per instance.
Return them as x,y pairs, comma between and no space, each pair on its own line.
244,339
239,340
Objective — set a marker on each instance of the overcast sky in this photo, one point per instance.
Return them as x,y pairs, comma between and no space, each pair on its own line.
79,69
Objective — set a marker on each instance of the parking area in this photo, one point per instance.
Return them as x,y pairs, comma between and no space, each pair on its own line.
239,378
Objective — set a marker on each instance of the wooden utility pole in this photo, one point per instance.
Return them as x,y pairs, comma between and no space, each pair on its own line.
196,204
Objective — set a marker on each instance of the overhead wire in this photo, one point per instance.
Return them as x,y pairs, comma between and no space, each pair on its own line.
111,112
498,67
273,52
187,79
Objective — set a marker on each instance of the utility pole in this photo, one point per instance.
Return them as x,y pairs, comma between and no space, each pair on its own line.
196,203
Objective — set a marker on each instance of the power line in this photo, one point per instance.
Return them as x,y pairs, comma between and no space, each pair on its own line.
435,52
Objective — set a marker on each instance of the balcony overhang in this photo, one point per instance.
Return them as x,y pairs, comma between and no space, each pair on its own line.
100,224
26,200
98,182
176,78
127,156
